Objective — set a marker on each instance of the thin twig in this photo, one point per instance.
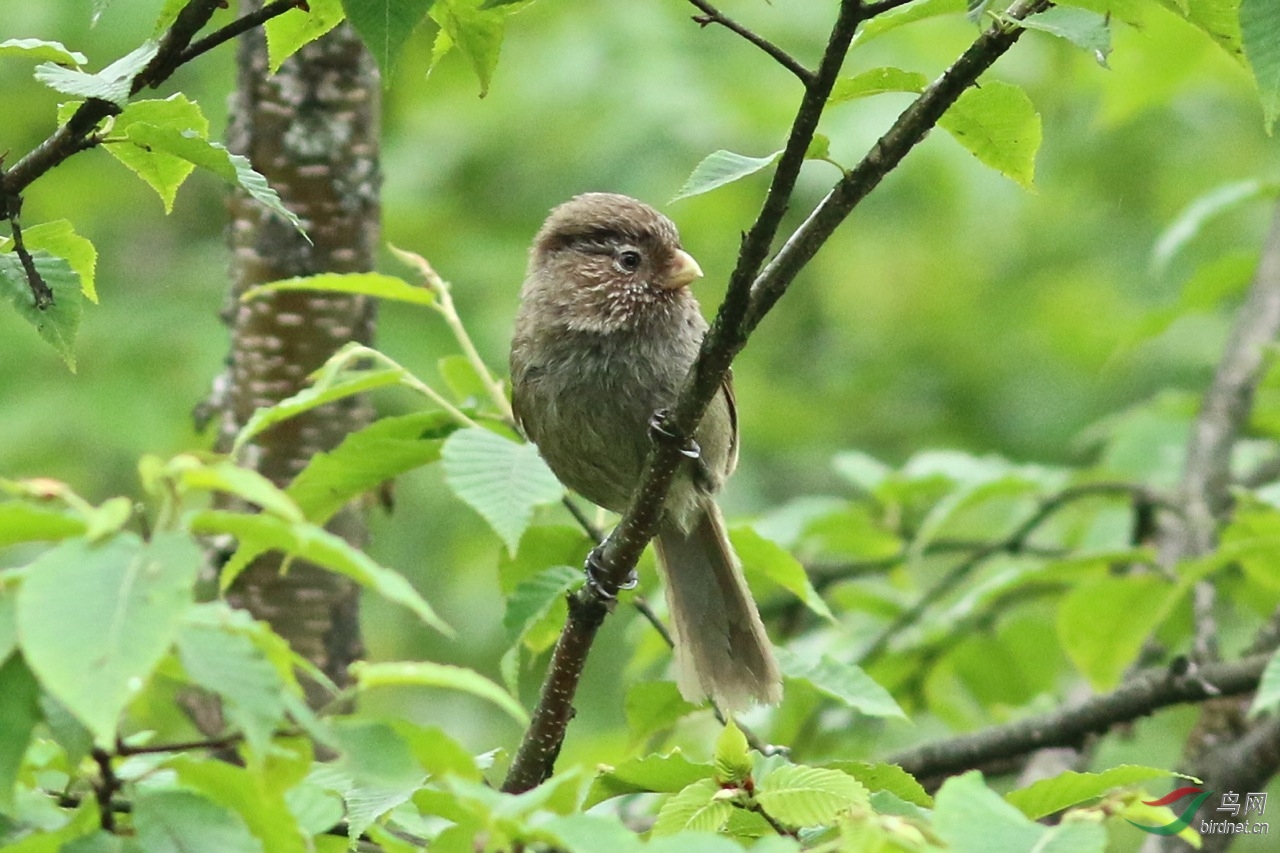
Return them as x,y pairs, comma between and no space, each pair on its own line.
106,788
1013,543
712,15
238,27
874,9
40,291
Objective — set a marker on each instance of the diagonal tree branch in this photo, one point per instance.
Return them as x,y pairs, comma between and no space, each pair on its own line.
1141,695
751,293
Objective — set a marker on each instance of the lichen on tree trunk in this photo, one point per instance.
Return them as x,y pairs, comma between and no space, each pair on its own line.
312,130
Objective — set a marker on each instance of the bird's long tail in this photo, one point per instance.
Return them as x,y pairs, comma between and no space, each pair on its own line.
721,647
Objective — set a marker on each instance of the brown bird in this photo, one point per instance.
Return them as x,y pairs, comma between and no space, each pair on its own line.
606,332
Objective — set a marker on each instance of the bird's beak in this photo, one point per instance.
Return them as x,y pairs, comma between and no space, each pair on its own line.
684,270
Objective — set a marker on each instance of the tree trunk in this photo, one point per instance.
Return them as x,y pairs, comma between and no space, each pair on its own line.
312,130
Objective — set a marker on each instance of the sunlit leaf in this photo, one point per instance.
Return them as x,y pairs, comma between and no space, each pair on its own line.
262,532
234,168
697,807
1083,28
429,674
49,51
363,283
501,479
476,30
997,123
57,324
1048,796
964,802
876,81
164,172
381,451
651,773
1260,33
720,168
290,32
385,26
110,84
842,681
95,649
176,821
59,238
797,795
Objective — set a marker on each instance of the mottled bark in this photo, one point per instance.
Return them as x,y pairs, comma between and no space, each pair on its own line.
312,130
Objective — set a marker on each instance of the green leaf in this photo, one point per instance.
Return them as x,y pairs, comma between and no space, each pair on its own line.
429,674
1267,699
474,30
24,522
720,168
588,833
260,805
379,452
110,84
797,795
654,706
225,476
732,756
385,26
1048,796
964,802
1218,19
288,33
373,284
229,665
170,821
319,546
94,650
876,81
1260,34
50,51
649,774
845,682
464,381
998,124
1131,606
60,239
1083,28
907,14
19,713
233,168
163,172
534,597
699,807
886,777
8,622
342,385
760,557
503,480
58,323
1190,221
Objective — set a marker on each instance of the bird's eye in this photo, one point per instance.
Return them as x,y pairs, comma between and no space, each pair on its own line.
628,260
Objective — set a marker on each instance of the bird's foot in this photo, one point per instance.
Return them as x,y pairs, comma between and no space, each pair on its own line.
595,574
660,429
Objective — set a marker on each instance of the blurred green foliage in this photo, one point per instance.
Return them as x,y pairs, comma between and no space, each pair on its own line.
955,310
